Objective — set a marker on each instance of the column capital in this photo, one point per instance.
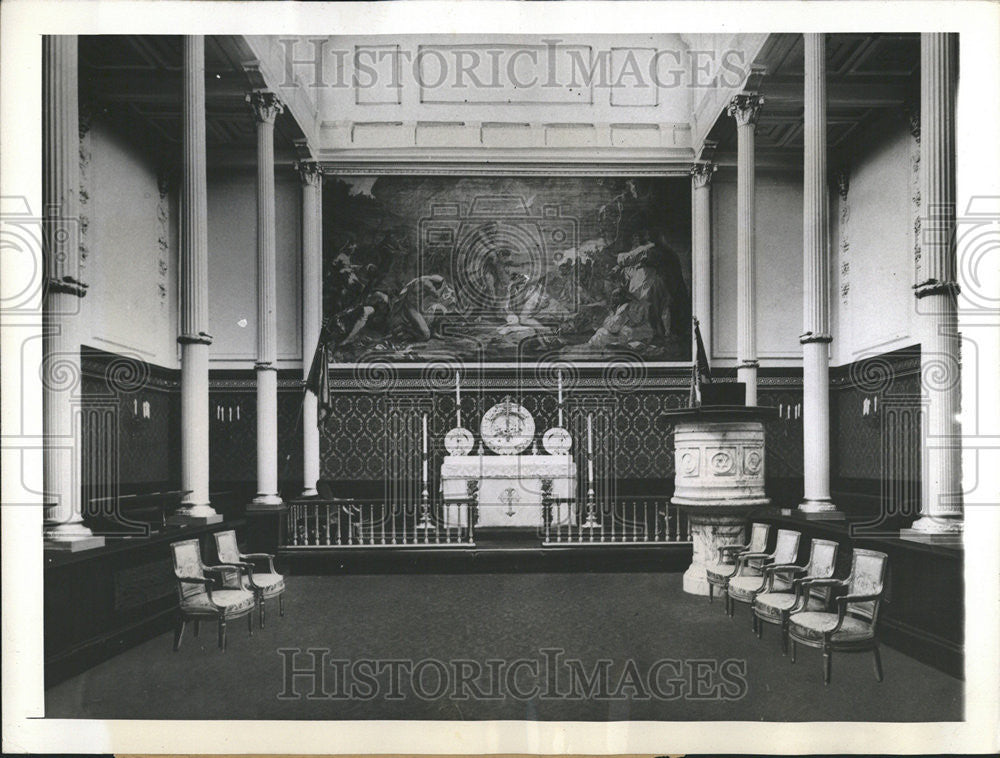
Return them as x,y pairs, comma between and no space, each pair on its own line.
701,174
266,105
310,172
745,108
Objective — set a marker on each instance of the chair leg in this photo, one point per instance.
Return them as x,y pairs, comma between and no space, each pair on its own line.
197,625
784,639
760,629
878,663
753,623
222,634
281,604
826,666
250,622
179,633
792,643
262,612
711,593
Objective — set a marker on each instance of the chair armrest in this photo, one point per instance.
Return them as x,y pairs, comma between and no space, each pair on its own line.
842,602
261,556
208,584
770,572
726,549
801,586
744,558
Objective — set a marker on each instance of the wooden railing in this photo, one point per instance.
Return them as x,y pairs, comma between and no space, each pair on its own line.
623,521
371,523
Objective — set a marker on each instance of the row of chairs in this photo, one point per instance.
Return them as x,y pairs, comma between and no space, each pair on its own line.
232,593
807,603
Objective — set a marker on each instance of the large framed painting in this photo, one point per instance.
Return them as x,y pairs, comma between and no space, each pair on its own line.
504,269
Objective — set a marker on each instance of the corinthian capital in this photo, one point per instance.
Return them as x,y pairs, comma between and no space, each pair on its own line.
701,174
745,108
310,172
266,105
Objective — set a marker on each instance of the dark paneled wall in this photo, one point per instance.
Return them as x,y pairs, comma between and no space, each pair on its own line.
875,430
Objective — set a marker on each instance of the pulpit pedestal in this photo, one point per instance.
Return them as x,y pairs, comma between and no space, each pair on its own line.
718,478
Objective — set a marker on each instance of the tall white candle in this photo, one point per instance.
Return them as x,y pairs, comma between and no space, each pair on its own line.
560,400
590,451
425,448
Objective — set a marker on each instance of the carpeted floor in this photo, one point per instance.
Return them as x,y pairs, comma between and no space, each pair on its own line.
658,654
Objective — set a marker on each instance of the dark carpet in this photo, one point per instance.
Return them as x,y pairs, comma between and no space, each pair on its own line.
484,646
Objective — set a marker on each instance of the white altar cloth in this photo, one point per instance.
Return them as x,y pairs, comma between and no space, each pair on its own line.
510,488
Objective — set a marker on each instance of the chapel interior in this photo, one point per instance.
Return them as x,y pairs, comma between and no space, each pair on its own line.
414,358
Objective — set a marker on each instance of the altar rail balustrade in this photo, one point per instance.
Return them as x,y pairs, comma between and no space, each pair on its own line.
369,523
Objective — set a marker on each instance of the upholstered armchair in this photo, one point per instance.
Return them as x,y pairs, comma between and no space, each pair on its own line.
749,577
852,628
783,588
719,572
263,584
204,598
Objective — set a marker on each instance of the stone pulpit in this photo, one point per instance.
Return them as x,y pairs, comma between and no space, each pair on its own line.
718,477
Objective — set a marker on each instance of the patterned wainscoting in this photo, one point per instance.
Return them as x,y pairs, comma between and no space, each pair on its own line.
373,435
130,425
875,429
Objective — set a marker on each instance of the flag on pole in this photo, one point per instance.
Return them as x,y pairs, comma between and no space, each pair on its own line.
703,369
318,381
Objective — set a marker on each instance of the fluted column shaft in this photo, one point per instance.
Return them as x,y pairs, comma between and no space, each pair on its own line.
194,338
816,336
312,314
937,289
745,108
266,107
701,247
61,370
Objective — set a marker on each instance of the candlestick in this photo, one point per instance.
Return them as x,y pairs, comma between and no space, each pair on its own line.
458,398
560,400
590,450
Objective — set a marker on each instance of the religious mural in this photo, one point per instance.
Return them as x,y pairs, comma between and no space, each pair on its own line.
502,268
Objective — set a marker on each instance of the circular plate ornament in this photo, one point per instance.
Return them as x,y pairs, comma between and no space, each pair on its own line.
459,441
507,428
557,441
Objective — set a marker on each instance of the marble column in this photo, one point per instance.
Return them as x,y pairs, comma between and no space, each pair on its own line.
816,336
312,314
701,250
745,108
937,291
266,107
61,370
193,337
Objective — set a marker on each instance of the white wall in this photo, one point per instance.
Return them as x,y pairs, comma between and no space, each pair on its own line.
232,267
131,251
779,267
872,297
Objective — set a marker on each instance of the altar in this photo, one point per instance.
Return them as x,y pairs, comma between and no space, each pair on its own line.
502,484
508,490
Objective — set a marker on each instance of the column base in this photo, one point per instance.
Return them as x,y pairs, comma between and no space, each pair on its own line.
935,531
818,510
73,544
310,492
193,514
265,503
187,519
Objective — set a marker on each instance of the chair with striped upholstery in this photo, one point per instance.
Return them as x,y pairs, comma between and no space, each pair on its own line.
749,576
204,598
264,584
783,587
852,628
718,573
